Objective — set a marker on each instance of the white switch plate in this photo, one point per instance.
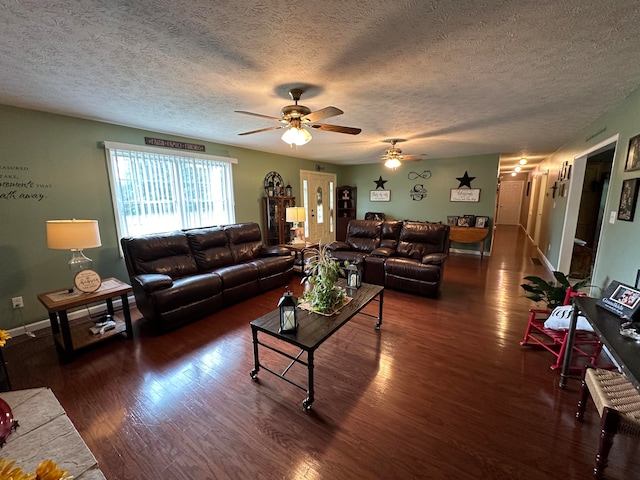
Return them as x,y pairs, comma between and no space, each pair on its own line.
612,217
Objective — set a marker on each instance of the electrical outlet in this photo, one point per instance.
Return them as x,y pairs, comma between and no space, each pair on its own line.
17,302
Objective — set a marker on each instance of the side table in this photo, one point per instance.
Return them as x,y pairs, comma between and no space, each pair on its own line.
69,338
299,250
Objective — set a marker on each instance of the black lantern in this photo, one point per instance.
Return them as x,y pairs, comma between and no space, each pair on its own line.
288,316
288,191
270,190
354,275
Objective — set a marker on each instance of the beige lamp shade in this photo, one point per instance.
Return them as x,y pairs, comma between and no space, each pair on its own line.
295,214
72,234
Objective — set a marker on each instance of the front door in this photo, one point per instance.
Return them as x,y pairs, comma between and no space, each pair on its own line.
318,197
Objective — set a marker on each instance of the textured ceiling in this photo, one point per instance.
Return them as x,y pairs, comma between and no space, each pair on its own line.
455,77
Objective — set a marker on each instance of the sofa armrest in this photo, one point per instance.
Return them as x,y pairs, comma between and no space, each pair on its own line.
151,282
275,251
434,259
333,246
383,252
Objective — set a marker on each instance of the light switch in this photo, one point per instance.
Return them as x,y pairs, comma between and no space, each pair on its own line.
612,217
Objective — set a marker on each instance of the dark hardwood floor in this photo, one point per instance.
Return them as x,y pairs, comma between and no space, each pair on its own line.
442,391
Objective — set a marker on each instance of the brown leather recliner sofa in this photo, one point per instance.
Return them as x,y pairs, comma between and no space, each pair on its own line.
184,275
407,256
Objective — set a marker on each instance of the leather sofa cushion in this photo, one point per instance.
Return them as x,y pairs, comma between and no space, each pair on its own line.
163,253
245,241
390,234
410,269
364,235
269,266
186,291
418,239
210,247
235,275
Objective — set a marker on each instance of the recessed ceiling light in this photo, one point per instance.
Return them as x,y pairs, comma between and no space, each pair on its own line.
523,161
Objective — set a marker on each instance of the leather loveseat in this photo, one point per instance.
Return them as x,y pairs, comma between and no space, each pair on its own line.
180,276
407,256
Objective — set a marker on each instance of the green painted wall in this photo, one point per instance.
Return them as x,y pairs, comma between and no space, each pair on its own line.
618,255
435,206
64,172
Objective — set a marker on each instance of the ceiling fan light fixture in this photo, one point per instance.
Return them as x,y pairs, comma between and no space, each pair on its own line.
392,163
523,161
296,136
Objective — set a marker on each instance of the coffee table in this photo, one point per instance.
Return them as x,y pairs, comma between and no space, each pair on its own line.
313,330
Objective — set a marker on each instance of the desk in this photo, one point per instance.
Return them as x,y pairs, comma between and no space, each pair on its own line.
625,351
45,432
69,338
469,235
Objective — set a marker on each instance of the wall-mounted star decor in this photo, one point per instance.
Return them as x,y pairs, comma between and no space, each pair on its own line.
465,180
380,183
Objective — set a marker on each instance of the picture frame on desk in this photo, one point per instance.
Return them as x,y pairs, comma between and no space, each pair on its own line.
452,220
482,222
620,299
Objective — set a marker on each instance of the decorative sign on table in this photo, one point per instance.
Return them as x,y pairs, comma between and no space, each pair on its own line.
465,195
620,299
379,195
159,142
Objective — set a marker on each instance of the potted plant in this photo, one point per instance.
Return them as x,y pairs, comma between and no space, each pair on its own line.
552,293
322,274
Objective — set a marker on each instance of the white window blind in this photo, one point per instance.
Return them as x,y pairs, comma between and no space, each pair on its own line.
158,190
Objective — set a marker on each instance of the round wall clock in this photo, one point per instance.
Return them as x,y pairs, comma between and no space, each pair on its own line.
272,184
87,281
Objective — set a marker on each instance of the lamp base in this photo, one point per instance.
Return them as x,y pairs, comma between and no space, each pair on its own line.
78,263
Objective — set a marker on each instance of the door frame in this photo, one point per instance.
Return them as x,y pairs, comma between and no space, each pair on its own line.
573,203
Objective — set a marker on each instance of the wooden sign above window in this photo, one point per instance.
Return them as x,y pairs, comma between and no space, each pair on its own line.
159,142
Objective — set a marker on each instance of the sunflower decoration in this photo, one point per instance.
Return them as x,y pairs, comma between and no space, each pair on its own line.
4,336
8,472
47,470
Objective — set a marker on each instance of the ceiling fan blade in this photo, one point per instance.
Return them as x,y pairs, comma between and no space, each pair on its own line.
336,128
410,158
321,114
263,130
259,115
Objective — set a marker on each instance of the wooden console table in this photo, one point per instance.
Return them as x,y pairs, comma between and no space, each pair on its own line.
45,432
469,235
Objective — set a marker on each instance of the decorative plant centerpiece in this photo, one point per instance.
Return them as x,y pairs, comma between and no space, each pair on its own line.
551,293
322,274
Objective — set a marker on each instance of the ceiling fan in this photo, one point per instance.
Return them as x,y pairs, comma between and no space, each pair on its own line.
295,117
393,157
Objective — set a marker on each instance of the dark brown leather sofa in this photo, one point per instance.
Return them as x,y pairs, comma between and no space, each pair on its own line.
407,256
184,275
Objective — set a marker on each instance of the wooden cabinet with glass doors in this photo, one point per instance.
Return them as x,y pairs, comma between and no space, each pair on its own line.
345,211
276,230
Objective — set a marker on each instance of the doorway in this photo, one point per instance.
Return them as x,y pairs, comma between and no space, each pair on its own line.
318,197
594,180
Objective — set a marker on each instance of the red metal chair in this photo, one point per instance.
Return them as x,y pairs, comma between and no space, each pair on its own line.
586,343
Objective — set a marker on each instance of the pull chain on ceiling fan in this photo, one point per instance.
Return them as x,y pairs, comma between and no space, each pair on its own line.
296,117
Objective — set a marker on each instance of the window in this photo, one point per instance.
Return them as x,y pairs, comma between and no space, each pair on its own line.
159,190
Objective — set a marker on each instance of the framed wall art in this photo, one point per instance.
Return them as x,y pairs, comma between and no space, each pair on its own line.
633,155
628,200
465,195
380,195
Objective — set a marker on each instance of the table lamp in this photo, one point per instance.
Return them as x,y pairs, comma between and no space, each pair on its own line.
74,235
296,215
